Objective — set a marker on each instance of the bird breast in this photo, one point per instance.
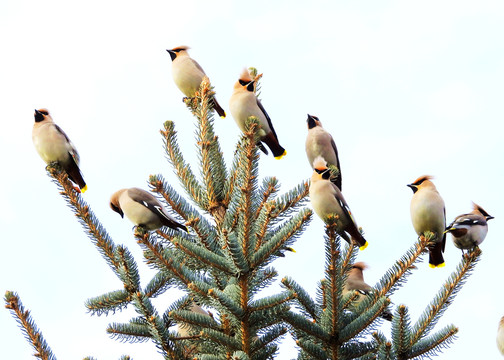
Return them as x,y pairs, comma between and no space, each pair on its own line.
427,212
318,142
324,203
187,75
242,105
474,236
50,143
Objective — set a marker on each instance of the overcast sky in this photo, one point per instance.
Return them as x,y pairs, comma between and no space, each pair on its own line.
406,89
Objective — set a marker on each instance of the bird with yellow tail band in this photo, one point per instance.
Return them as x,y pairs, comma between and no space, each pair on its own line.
143,209
188,75
53,145
244,104
327,199
320,143
355,282
428,214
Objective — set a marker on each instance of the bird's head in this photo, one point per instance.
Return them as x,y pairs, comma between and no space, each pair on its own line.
179,50
114,202
245,81
41,115
479,209
313,121
421,182
320,169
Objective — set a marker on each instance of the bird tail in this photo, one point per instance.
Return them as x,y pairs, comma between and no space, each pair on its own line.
272,142
436,255
173,224
218,108
360,241
357,238
75,175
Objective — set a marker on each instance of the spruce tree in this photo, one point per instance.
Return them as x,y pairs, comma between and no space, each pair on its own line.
239,225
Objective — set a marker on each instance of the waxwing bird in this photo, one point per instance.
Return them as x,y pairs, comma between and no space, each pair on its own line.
327,199
469,230
500,336
142,208
243,104
186,330
428,214
53,144
320,143
355,282
188,75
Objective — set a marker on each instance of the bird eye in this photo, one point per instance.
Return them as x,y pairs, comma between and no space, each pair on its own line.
242,82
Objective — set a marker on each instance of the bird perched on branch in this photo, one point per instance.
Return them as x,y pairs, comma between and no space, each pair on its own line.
428,214
244,104
469,230
320,143
327,199
355,282
142,209
53,145
188,75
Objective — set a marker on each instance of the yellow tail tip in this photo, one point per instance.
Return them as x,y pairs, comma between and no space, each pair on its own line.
364,246
84,189
281,156
436,266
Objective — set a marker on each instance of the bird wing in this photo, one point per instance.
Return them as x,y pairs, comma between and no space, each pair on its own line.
469,220
344,206
198,65
149,201
72,151
338,181
267,118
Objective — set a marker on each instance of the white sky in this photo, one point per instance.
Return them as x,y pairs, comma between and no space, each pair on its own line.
405,88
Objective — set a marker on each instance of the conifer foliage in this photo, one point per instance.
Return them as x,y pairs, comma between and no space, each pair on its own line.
238,225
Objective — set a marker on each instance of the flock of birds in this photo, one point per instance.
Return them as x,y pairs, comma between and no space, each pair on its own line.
427,206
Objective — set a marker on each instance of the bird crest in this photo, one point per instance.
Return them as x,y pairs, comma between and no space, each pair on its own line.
360,265
319,163
245,76
482,211
180,48
421,179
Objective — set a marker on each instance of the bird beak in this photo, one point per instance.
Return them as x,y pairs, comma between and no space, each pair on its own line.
413,187
448,230
38,116
490,217
117,209
173,55
311,122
